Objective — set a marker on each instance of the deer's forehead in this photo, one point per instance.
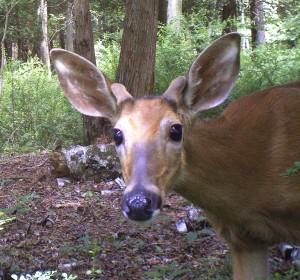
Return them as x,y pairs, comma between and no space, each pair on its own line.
146,116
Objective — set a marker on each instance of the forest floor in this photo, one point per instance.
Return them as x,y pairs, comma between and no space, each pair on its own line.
79,229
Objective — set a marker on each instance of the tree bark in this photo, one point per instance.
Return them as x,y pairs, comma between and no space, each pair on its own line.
62,39
257,23
69,28
138,47
44,44
3,42
241,8
93,127
84,41
162,11
174,13
23,49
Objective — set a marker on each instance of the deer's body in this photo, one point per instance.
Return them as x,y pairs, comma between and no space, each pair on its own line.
230,166
254,141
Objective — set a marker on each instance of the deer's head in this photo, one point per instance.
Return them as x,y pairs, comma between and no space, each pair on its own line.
149,132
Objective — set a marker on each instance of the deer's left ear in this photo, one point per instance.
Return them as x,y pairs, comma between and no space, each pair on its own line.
211,76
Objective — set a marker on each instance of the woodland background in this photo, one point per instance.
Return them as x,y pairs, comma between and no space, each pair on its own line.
34,115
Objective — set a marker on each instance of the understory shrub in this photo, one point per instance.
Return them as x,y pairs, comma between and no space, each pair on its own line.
34,114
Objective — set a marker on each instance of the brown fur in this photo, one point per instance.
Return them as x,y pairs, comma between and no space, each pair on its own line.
233,166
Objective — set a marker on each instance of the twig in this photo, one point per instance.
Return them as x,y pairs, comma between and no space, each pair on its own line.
39,165
16,178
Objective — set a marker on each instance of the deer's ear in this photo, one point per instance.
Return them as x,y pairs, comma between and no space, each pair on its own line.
213,73
88,90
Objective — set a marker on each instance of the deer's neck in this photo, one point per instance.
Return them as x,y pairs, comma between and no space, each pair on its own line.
213,166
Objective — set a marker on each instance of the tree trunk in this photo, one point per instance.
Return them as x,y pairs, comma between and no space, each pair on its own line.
162,11
138,46
84,45
245,41
62,41
174,13
44,44
69,28
22,49
257,23
7,12
229,15
84,41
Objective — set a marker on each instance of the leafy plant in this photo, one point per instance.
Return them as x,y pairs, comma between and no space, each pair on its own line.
291,274
94,271
34,113
213,269
292,170
166,271
4,220
22,205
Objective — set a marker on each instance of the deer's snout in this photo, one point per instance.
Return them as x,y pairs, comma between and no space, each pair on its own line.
141,207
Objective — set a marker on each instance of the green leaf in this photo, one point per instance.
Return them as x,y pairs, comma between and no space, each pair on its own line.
191,236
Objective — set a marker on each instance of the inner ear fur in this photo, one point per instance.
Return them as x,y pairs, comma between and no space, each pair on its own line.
87,89
213,73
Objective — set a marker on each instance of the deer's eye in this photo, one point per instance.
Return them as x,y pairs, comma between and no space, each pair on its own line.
176,132
118,137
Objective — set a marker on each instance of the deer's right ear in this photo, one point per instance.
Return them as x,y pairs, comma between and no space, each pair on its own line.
88,90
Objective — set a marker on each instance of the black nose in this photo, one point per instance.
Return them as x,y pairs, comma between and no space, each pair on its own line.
138,207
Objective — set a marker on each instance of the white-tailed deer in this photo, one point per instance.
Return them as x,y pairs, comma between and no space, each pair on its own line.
229,166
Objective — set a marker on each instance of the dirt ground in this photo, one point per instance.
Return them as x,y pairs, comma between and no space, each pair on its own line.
79,229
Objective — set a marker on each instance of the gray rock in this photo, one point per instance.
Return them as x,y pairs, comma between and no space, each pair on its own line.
89,163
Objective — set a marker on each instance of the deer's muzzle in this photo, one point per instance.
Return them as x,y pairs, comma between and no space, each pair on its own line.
139,206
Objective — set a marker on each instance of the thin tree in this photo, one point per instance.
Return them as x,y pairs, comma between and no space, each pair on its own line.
138,47
257,22
8,10
174,13
44,47
69,27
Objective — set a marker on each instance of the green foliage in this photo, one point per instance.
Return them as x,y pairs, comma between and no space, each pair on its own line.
4,220
176,51
268,66
292,170
107,54
22,204
168,271
107,17
94,271
213,269
291,274
34,113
